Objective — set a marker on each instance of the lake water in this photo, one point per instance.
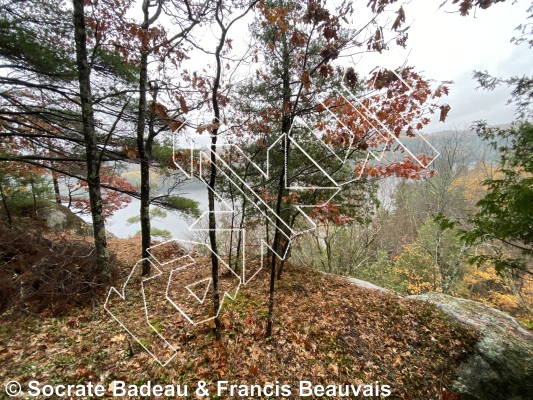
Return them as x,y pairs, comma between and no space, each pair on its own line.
178,226
175,223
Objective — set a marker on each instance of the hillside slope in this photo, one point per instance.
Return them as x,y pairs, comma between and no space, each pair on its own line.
327,331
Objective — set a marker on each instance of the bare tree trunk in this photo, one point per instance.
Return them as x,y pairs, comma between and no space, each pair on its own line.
89,134
144,155
8,214
213,157
56,188
213,172
213,233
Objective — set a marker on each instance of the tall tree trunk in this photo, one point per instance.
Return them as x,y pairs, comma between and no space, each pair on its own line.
276,243
144,145
213,173
144,155
212,228
285,127
89,135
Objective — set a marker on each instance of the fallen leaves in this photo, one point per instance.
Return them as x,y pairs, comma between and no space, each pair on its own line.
327,331
118,338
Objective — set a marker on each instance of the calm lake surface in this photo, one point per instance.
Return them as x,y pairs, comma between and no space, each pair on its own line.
175,223
178,225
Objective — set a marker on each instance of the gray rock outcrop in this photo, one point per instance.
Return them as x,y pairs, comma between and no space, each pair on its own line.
60,218
502,366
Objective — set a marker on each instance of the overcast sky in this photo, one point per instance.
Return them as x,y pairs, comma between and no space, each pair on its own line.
447,46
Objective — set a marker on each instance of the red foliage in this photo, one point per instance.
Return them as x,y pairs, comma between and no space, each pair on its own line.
398,101
115,195
329,212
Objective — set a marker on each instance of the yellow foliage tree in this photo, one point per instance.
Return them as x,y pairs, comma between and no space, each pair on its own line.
415,272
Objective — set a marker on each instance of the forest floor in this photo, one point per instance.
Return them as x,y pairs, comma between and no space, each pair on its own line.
326,331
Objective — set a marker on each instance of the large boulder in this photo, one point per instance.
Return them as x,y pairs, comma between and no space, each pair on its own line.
502,366
59,218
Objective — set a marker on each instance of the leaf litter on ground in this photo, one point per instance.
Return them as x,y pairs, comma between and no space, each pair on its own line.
327,331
